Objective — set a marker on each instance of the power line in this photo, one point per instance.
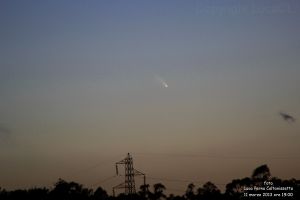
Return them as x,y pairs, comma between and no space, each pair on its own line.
103,180
181,180
92,167
219,156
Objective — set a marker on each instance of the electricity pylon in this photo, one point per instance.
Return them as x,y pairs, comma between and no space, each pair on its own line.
130,172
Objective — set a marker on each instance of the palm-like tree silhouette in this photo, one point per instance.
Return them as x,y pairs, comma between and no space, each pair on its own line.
144,191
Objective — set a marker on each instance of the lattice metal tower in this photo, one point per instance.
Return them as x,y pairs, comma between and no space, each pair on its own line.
130,172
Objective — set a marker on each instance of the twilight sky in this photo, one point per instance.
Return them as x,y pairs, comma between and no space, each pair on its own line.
82,84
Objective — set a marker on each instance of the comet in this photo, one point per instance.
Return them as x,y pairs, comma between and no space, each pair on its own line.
165,84
162,81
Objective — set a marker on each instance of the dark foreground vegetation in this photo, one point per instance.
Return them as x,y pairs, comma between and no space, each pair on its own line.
261,177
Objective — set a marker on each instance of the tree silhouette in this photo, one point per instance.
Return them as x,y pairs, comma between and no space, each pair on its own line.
158,191
38,193
100,194
209,191
261,173
18,194
235,189
69,190
189,194
144,191
64,190
3,193
177,197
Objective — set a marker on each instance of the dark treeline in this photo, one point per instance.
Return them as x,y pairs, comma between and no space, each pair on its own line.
64,190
